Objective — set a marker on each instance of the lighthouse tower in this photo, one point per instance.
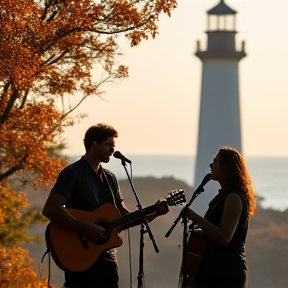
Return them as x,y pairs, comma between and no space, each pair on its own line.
219,121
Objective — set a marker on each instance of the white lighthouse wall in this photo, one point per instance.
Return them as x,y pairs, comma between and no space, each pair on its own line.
219,121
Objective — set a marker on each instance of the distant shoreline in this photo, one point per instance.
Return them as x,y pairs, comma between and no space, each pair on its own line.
269,174
183,155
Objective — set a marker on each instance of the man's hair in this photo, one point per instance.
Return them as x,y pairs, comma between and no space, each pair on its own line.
99,133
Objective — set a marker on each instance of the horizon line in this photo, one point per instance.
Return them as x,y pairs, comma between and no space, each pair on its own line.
181,155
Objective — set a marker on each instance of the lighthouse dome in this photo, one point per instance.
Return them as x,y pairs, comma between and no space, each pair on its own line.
221,9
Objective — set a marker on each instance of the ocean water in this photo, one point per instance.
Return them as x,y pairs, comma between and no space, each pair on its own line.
269,175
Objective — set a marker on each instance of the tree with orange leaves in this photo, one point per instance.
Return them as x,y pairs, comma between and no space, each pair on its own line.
17,272
48,51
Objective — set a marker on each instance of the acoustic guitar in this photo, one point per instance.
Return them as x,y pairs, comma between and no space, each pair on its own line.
72,251
195,247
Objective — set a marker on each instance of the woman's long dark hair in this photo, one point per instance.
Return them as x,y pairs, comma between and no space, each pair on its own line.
236,175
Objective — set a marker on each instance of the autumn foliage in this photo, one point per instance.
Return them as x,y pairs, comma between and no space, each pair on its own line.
17,270
53,55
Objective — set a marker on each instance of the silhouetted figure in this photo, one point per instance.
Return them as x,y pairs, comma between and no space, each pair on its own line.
86,187
225,224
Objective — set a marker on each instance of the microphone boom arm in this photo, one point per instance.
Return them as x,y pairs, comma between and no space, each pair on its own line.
139,206
200,189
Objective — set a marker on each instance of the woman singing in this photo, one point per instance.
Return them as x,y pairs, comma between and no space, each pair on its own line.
225,224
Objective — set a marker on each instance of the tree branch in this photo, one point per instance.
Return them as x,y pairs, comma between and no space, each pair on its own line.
9,107
24,99
5,89
59,37
59,57
45,11
123,30
43,63
53,15
97,31
10,172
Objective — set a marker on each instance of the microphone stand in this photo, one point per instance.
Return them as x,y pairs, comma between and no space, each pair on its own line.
141,209
141,270
183,215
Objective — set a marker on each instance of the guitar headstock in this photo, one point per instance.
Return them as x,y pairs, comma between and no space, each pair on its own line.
176,197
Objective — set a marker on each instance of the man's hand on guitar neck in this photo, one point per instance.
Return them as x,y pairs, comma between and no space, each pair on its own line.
162,207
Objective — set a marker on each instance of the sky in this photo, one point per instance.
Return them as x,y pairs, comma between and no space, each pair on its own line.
156,109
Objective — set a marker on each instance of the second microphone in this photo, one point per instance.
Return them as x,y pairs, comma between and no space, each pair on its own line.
120,156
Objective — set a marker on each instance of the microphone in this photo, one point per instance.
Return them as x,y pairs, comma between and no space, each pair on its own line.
205,180
200,189
120,156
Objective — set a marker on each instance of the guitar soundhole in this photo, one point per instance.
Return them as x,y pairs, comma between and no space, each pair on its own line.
104,224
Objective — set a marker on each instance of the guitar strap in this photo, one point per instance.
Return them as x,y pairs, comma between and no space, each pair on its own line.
106,180
48,253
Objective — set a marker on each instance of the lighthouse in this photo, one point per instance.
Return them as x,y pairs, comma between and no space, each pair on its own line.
219,118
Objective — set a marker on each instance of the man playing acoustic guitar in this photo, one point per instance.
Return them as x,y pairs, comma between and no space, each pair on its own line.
82,188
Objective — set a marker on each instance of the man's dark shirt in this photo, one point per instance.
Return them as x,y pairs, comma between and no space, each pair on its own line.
85,190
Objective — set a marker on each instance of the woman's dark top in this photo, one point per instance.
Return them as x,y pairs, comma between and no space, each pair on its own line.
225,266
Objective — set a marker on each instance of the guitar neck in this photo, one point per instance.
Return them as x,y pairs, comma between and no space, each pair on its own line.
132,216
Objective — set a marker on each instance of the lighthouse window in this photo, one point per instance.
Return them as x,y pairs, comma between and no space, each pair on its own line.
221,22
